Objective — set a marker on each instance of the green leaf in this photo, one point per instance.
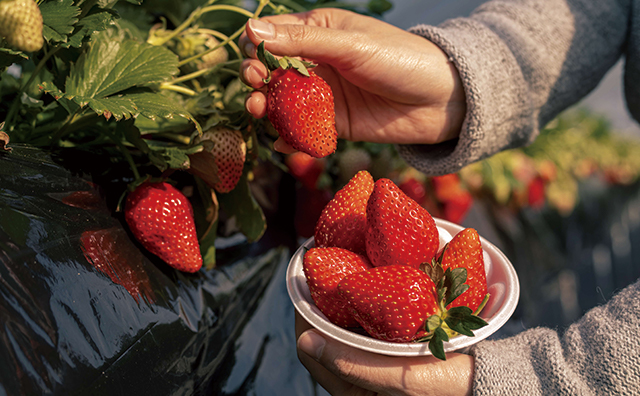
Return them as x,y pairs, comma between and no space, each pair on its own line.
241,204
97,20
154,104
436,345
117,107
454,281
59,18
267,58
9,56
461,320
110,67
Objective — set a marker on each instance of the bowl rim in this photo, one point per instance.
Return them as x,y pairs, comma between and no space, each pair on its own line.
306,309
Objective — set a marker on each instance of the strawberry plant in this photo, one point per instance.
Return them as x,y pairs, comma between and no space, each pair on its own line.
149,92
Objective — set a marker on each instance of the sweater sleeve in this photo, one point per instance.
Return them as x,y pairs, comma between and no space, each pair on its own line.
598,355
521,63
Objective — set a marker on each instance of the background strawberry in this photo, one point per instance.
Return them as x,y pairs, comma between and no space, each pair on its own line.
229,150
21,24
399,231
161,219
409,300
324,268
300,106
305,168
465,251
343,221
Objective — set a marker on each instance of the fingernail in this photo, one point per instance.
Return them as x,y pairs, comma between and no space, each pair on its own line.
249,49
263,30
312,344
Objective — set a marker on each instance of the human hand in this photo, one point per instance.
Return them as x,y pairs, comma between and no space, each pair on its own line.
343,370
389,85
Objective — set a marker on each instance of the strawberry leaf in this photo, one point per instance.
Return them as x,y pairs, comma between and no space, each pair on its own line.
454,283
436,345
59,18
4,140
267,58
461,320
111,66
97,20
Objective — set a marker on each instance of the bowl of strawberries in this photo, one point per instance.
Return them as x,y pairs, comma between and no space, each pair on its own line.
381,274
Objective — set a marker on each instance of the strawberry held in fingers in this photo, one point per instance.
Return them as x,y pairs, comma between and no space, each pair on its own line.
300,105
161,219
324,268
343,221
399,231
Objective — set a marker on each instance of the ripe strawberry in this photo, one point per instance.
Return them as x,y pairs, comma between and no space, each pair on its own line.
399,230
229,150
465,251
414,190
343,222
300,106
324,268
21,24
398,303
161,219
305,168
391,303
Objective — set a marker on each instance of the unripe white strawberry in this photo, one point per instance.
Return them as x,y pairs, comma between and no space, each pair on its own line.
21,24
229,151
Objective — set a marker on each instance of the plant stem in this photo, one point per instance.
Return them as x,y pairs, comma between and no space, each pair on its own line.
225,38
16,103
177,88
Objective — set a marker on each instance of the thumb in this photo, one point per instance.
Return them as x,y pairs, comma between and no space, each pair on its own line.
321,44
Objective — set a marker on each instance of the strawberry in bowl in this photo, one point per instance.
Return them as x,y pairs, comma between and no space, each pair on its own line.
432,286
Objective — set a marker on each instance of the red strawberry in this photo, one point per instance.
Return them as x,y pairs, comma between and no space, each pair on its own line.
343,222
465,251
399,303
161,219
456,209
228,149
414,190
399,230
305,168
300,106
324,269
391,303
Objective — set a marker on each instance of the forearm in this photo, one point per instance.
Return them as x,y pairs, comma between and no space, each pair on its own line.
521,63
597,355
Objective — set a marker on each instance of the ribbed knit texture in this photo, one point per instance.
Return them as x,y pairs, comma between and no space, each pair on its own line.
522,62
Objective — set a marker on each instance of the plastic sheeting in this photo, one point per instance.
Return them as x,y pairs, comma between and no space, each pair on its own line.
84,310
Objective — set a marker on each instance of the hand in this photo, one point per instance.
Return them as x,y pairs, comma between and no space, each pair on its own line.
343,370
390,86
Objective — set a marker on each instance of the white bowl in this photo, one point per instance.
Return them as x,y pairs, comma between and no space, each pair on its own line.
503,286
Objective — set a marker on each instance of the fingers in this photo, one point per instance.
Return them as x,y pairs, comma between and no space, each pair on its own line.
319,43
341,369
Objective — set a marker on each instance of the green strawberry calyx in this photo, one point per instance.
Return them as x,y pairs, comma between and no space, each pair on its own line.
272,63
450,284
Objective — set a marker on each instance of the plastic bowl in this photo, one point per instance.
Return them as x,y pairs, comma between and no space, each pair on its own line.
503,286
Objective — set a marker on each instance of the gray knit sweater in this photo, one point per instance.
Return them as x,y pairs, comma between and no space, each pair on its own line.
522,62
